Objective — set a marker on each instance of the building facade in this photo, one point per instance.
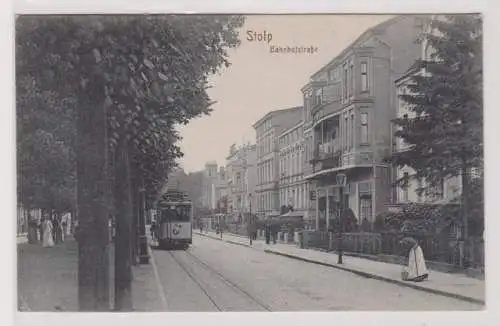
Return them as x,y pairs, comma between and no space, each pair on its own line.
241,180
267,129
351,102
214,185
293,188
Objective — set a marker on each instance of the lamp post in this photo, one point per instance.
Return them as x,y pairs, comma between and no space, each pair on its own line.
250,205
251,222
341,182
143,240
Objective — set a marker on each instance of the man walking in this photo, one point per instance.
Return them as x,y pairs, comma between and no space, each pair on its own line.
251,229
274,230
268,230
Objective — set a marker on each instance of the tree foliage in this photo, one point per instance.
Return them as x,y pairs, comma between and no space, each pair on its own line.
444,129
45,149
150,71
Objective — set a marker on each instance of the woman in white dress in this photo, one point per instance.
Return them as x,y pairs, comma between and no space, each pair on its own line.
48,240
416,270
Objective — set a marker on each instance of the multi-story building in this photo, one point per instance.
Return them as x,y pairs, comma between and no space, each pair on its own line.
214,185
351,102
241,180
268,128
293,188
307,167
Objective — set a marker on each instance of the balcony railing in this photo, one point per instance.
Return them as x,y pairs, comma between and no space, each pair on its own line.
327,150
341,159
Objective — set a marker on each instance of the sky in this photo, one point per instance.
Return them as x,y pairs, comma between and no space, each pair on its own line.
259,81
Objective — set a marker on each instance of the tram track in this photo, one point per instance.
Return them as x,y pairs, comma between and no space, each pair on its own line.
213,298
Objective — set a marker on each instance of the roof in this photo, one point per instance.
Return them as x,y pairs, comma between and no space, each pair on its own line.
373,30
275,112
288,130
414,68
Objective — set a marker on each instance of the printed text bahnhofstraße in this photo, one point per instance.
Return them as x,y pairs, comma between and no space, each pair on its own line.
293,49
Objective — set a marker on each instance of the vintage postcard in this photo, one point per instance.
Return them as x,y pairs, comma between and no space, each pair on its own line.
249,163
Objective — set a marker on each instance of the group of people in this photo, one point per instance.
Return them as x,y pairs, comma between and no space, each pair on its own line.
47,231
271,231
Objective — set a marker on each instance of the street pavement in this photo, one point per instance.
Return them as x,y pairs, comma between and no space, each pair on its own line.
452,285
215,275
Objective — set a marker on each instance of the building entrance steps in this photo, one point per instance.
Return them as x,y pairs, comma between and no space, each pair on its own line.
451,285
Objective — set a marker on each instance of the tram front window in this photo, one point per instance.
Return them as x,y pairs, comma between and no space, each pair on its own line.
178,213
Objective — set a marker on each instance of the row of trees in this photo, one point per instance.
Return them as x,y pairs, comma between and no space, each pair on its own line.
445,127
98,99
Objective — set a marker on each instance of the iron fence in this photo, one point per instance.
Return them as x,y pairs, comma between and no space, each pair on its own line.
437,248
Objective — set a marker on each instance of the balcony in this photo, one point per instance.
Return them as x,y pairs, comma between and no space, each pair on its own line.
327,150
341,160
357,158
327,156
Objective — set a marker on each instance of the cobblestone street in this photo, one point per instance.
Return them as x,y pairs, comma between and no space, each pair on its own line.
219,276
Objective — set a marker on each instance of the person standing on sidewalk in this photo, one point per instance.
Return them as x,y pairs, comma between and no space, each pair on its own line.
39,224
268,230
152,230
56,224
32,230
221,227
416,271
251,229
274,231
47,229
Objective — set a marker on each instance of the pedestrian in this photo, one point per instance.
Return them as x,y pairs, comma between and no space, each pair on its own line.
32,230
47,231
40,228
57,230
251,229
64,227
267,231
274,230
416,271
153,230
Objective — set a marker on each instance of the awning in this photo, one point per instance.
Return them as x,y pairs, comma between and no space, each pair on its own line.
293,214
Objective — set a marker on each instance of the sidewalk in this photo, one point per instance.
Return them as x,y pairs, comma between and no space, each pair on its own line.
450,285
48,279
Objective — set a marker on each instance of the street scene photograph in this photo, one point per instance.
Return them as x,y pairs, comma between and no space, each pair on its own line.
249,163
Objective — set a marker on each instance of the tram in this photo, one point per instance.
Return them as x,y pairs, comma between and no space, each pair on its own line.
175,220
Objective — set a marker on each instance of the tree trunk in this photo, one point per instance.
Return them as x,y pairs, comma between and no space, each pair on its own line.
123,238
142,238
93,243
465,215
135,210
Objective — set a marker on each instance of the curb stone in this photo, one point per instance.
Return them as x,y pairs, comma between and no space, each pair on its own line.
381,278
